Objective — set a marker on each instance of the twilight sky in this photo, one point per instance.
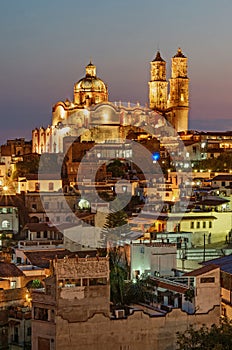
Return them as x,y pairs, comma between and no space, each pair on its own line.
45,46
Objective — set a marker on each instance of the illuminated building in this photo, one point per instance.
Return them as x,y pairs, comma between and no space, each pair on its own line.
91,110
175,105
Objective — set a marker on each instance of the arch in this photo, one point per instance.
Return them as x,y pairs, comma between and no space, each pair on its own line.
5,224
35,283
34,219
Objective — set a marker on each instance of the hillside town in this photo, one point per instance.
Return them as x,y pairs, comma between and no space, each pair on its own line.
115,222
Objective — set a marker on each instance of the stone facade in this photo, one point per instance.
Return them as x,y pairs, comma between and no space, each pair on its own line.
175,105
74,313
90,108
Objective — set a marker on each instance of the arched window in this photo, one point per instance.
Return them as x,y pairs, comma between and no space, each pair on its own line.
5,224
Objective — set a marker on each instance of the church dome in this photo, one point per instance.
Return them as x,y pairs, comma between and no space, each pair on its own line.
90,83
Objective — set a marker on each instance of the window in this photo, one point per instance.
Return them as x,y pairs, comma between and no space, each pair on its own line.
13,284
207,280
50,186
204,224
192,224
124,189
224,311
46,205
223,183
29,331
45,234
198,224
5,224
34,206
210,224
37,186
37,234
40,314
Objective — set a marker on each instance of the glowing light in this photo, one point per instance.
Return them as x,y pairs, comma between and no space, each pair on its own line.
155,156
5,188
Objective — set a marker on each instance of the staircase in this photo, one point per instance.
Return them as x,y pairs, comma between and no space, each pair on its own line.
198,254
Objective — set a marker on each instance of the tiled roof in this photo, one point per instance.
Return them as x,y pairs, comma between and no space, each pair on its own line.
201,270
222,178
41,176
9,270
42,258
175,287
40,226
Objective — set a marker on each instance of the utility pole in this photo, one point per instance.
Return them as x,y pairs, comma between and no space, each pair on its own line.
204,249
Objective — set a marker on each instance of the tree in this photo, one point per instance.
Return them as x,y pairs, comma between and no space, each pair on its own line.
117,168
217,337
118,275
140,291
115,226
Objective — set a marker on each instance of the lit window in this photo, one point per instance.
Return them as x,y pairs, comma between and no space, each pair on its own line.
5,224
124,189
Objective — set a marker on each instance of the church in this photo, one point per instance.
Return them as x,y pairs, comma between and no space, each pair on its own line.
91,117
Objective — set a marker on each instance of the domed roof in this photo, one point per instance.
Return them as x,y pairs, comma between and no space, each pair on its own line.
90,82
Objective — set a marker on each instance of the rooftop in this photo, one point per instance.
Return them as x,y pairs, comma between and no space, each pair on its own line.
201,270
42,258
9,270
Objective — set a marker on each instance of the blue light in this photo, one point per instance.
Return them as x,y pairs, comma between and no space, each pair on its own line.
155,156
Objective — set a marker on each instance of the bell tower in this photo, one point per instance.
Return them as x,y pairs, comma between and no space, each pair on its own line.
179,92
158,85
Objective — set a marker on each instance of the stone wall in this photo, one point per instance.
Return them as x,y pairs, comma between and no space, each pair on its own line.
137,332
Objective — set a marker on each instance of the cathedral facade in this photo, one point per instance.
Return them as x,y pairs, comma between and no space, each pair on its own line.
91,117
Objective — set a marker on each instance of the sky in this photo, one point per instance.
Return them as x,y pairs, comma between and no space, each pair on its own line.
45,46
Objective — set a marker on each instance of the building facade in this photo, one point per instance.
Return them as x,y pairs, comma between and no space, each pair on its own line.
74,312
90,108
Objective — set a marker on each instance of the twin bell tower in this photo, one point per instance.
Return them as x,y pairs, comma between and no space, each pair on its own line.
172,101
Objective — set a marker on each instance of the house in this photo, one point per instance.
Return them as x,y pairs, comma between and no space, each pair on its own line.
39,183
225,265
206,284
74,311
222,182
153,258
11,276
41,231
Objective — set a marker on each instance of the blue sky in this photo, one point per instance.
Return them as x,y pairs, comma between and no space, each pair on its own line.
45,46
